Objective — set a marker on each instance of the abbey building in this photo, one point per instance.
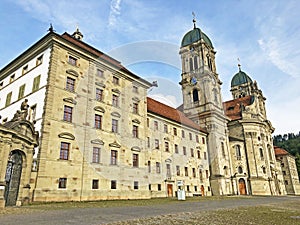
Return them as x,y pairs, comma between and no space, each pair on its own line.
101,137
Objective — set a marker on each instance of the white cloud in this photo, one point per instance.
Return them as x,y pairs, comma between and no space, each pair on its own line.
169,100
115,10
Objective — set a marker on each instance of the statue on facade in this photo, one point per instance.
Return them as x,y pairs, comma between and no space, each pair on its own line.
23,112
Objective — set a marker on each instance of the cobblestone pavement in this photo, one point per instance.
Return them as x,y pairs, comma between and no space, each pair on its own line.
97,216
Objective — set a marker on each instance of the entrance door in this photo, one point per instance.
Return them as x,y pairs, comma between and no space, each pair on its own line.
242,186
12,178
170,190
202,190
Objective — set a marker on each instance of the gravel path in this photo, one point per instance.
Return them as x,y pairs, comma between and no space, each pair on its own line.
97,216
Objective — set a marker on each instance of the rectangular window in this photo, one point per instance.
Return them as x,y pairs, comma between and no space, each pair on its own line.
135,160
184,150
113,157
135,185
168,170
148,142
113,184
155,125
159,187
201,175
206,173
149,187
135,89
99,73
188,188
39,60
165,128
223,149
191,137
203,140
115,80
32,113
197,138
70,84
62,183
167,147
194,172
95,184
135,131
64,150
176,148
21,91
261,153
195,188
186,172
149,166
25,69
115,100
175,131
96,155
8,99
36,83
114,127
182,134
156,143
99,94
72,60
98,121
157,167
135,108
205,157
199,154
68,113
192,152
178,170
148,122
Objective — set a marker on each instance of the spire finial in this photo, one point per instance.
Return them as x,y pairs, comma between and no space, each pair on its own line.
239,65
194,19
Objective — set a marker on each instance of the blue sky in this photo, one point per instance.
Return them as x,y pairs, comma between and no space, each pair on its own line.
145,36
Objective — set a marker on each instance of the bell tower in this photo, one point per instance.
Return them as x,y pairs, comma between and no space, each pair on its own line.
202,103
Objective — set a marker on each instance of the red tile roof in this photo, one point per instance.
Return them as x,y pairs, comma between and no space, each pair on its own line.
233,108
100,54
168,112
280,151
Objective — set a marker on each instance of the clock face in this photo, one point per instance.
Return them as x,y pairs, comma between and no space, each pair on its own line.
193,81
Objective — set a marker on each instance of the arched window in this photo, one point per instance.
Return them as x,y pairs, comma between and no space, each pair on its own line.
191,64
240,169
195,95
195,62
238,152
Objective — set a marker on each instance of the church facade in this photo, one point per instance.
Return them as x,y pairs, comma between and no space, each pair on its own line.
101,137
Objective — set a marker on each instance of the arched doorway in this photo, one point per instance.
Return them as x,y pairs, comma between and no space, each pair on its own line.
12,178
242,186
202,190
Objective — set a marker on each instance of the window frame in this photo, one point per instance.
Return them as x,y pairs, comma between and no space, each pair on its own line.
96,154
64,152
113,157
68,113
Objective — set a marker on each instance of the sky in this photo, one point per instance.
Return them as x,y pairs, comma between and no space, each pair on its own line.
146,35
